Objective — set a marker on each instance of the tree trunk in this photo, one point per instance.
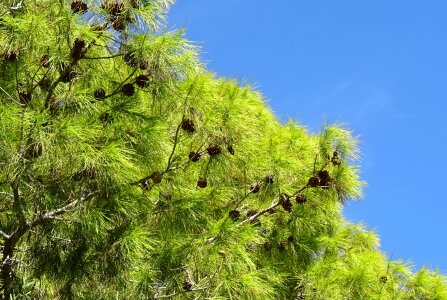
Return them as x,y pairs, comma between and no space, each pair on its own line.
6,273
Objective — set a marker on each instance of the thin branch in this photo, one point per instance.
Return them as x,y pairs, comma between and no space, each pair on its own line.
262,212
11,97
64,209
174,147
118,89
3,234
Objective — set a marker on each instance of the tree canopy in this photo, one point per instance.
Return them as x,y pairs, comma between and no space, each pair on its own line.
129,171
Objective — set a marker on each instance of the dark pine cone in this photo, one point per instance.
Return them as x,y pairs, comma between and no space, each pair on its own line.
188,125
301,199
135,3
113,7
290,239
142,81
335,160
33,151
268,246
255,187
234,215
128,89
78,50
145,185
67,74
156,177
281,246
324,183
45,61
87,173
143,64
383,279
10,56
213,149
230,149
117,7
119,24
99,94
194,156
313,182
202,183
324,175
25,98
187,286
269,179
285,202
130,59
77,6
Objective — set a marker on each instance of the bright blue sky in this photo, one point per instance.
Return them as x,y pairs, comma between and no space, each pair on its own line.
379,66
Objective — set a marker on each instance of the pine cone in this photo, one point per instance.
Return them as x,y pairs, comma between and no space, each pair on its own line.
45,61
284,201
128,89
142,81
202,183
10,56
313,182
194,156
254,188
268,246
99,94
87,173
130,59
281,246
25,98
324,175
187,286
188,125
78,50
67,74
301,199
77,6
234,215
143,64
269,179
113,7
213,149
230,149
290,239
119,24
156,177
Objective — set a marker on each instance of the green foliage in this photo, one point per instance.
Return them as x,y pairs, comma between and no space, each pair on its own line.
128,171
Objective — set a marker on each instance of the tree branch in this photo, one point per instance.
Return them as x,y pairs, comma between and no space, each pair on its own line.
62,210
6,236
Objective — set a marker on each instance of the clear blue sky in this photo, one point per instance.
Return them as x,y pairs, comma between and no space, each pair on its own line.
379,66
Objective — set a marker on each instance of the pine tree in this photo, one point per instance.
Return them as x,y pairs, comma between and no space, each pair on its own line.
128,171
